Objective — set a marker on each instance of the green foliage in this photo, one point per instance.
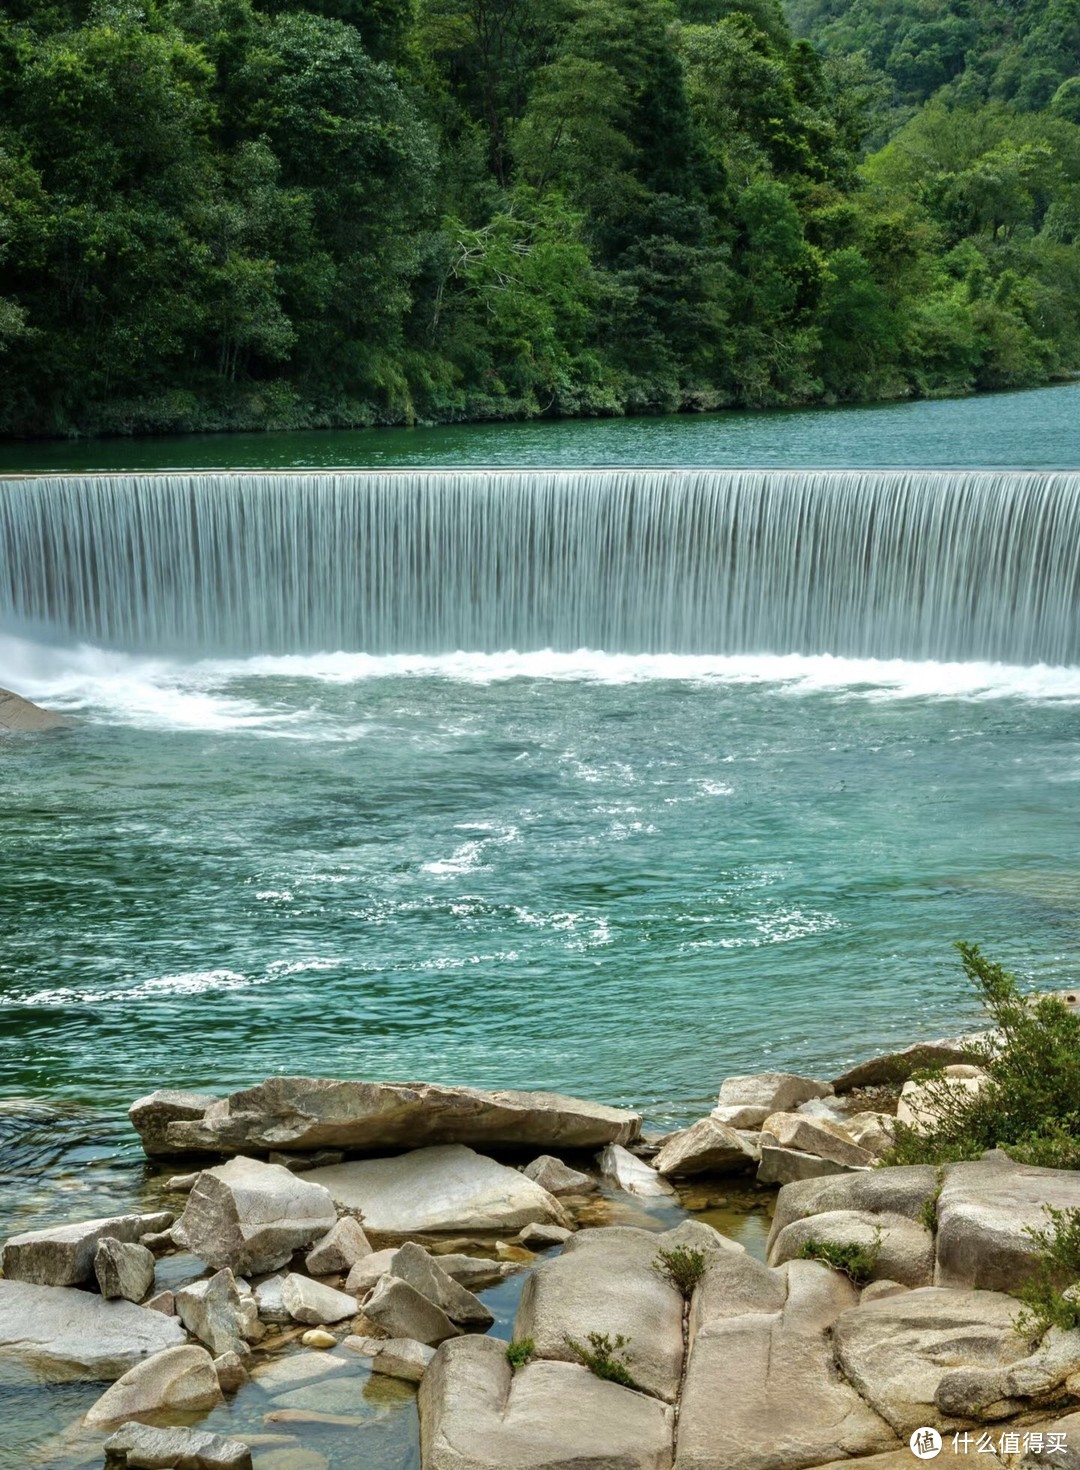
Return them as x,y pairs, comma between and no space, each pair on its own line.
606,1358
928,1210
1030,1103
237,213
857,1262
683,1267
519,1353
1051,1295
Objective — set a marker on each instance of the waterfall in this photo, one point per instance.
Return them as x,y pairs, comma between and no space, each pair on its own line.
915,565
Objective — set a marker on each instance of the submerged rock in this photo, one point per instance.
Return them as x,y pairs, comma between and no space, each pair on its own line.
180,1379
251,1216
476,1414
305,1113
141,1447
438,1189
64,1335
25,717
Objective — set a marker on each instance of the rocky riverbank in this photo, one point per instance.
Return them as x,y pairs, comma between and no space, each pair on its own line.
542,1270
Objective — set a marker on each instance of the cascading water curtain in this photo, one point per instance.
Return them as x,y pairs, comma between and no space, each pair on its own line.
916,565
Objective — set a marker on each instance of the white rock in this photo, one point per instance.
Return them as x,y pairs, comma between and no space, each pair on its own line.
304,1113
707,1147
817,1136
368,1272
123,1269
142,1447
438,1189
922,1104
312,1302
339,1250
210,1310
542,1237
558,1178
747,1100
401,1311
180,1379
413,1265
65,1335
64,1254
632,1174
606,1281
475,1414
401,1357
251,1216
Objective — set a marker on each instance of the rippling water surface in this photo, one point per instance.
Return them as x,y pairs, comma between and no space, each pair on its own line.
620,876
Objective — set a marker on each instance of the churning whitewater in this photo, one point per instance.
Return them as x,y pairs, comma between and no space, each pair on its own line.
910,565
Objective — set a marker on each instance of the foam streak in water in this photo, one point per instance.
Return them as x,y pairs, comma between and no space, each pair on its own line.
863,564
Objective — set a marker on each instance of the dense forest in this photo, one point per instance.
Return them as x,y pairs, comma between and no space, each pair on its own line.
227,213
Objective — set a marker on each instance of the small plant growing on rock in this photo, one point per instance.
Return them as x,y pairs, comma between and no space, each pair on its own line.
857,1262
928,1210
519,1353
605,1358
1051,1295
683,1267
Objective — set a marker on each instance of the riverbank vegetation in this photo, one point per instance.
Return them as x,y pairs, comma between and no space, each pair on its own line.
1029,1102
242,213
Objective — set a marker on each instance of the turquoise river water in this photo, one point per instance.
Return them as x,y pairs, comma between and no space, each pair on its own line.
613,782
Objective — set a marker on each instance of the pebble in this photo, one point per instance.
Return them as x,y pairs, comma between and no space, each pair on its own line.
318,1337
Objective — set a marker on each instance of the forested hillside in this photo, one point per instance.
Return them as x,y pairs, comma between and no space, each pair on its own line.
221,213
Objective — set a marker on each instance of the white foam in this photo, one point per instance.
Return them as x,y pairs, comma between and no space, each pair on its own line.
259,695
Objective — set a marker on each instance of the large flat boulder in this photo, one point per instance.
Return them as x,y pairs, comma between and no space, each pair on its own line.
896,1351
251,1216
984,1213
63,1335
747,1100
180,1380
905,1248
606,1281
64,1254
446,1188
26,718
901,1191
476,1414
761,1389
305,1113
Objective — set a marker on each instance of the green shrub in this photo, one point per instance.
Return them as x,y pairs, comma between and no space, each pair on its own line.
928,1210
683,1267
605,1358
857,1262
519,1353
1048,1294
1030,1103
